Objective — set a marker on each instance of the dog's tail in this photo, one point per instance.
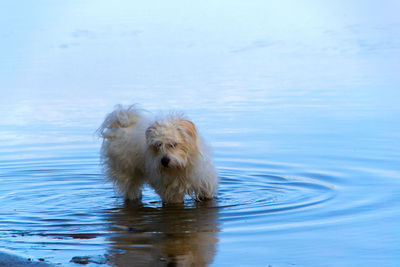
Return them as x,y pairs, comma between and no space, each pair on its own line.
121,117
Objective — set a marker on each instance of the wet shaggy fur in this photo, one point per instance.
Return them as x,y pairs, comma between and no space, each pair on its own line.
167,153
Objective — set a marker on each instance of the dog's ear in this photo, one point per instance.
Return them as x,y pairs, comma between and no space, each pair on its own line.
149,133
189,128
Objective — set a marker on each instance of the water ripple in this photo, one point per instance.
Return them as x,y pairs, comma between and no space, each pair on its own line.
56,203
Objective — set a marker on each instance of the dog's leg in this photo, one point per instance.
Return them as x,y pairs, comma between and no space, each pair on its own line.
131,188
133,194
171,198
205,196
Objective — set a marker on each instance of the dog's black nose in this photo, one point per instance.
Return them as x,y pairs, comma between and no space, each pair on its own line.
165,161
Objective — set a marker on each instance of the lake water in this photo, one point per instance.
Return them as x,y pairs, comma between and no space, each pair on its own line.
300,102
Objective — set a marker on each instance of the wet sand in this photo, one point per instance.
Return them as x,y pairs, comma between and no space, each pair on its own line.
7,259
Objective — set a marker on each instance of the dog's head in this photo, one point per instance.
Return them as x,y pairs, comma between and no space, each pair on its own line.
172,142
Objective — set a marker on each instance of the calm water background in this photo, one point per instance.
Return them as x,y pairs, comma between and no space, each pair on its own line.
300,102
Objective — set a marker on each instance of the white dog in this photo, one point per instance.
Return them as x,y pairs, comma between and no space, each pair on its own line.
167,153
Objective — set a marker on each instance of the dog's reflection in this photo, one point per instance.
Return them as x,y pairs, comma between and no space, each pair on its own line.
175,235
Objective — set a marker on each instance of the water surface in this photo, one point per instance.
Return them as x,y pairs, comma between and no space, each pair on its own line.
299,102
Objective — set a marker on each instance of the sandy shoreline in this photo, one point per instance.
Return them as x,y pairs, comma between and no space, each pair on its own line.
8,259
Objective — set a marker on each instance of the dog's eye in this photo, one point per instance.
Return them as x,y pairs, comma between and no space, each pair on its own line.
172,145
157,145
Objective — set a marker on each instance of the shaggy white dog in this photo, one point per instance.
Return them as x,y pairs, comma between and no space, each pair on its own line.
166,153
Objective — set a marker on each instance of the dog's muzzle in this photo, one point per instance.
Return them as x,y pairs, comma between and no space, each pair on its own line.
165,161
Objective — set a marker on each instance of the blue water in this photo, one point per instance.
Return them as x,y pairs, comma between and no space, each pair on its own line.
300,102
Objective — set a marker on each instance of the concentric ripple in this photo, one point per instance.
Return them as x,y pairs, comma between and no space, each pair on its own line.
270,193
